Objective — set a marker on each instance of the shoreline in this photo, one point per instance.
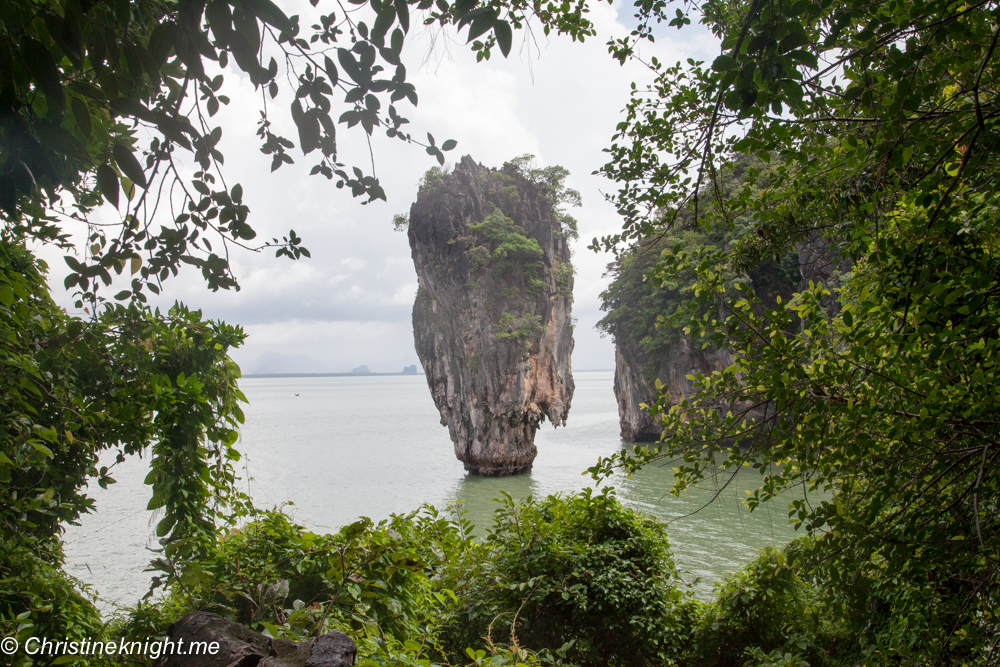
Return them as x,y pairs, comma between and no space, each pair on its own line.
323,375
341,375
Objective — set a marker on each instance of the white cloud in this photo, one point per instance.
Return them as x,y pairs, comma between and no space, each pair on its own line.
351,303
340,346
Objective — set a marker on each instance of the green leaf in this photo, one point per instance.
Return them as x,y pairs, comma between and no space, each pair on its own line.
126,106
6,295
481,25
127,162
128,187
504,38
174,131
793,41
246,41
43,449
331,71
403,13
383,22
270,13
219,16
164,526
107,181
62,141
308,126
81,115
350,65
724,63
805,57
44,71
161,41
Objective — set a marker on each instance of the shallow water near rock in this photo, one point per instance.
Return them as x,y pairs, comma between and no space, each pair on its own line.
343,447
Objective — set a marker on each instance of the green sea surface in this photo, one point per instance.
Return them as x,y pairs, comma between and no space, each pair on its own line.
332,449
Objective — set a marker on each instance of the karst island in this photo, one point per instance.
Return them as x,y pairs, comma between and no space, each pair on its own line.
491,321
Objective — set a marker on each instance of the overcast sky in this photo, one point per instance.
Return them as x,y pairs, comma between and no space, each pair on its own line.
350,304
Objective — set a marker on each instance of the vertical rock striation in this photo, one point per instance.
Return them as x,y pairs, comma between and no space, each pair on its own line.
633,388
491,321
645,352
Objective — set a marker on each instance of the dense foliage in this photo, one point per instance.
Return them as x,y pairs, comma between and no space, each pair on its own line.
879,123
566,580
637,304
83,84
130,380
876,126
580,570
99,101
501,246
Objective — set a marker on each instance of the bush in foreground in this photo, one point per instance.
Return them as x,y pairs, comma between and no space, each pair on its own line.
580,575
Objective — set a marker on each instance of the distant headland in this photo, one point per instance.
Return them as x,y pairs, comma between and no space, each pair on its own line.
329,375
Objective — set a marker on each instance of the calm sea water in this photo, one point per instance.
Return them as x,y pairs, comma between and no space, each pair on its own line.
343,447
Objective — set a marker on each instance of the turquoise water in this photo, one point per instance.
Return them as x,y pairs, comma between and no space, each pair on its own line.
339,448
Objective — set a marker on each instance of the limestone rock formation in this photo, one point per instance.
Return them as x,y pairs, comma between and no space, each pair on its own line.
643,355
633,388
236,645
491,321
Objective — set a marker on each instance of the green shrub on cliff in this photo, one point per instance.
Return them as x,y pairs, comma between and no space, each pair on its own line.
553,181
577,570
374,581
518,328
635,306
765,613
511,257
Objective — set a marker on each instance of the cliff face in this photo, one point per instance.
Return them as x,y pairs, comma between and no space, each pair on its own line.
491,321
632,388
636,367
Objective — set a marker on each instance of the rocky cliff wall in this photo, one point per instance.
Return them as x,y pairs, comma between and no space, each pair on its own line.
636,373
491,321
636,370
632,389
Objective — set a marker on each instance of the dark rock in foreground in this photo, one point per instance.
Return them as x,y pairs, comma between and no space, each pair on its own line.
238,646
491,320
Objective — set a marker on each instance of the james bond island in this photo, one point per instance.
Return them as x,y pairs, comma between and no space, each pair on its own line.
492,321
